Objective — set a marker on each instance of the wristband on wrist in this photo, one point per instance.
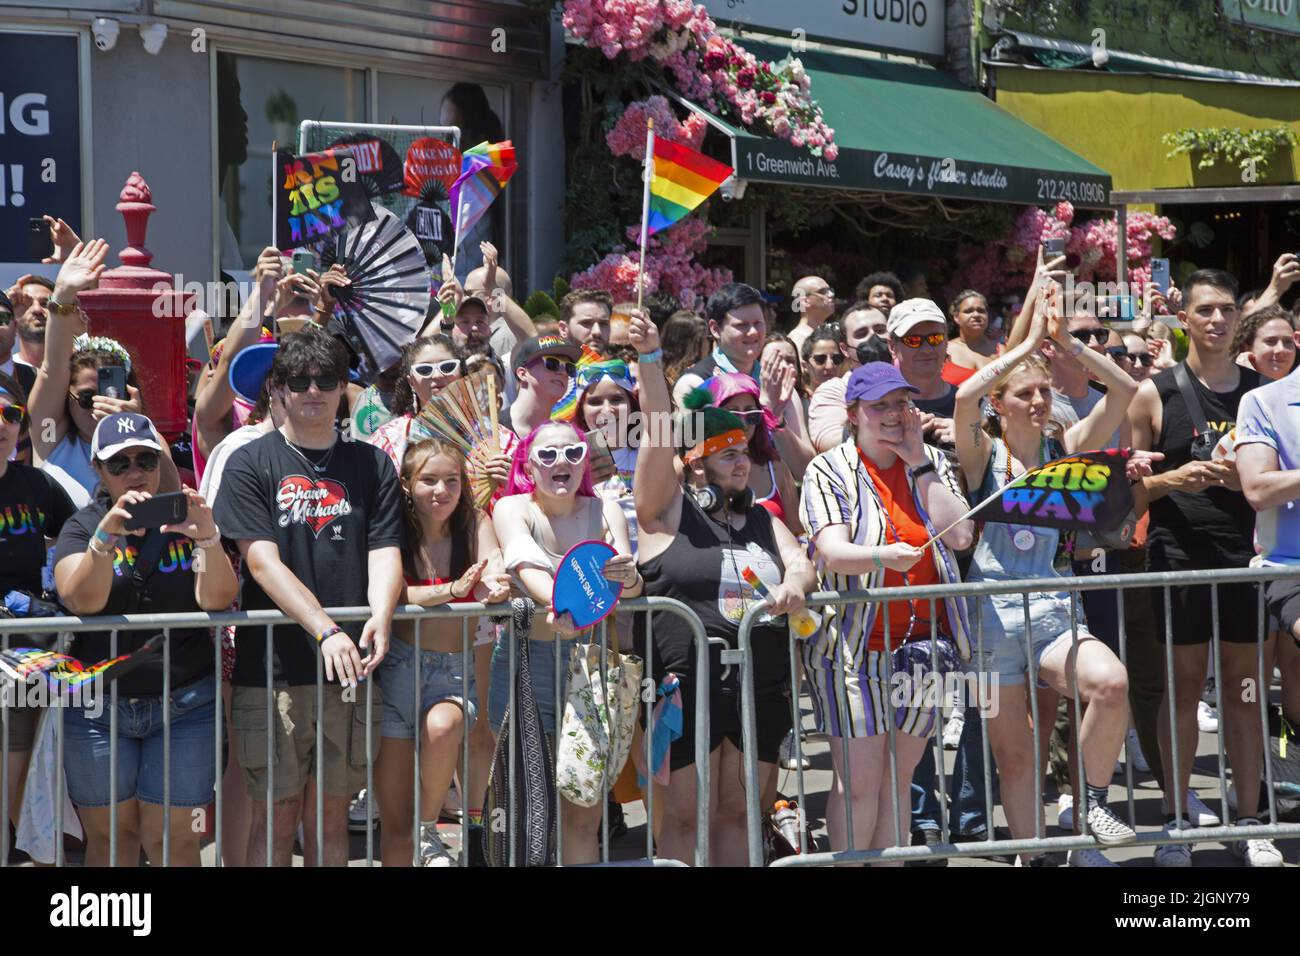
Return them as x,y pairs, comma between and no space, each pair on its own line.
649,358
875,556
104,537
103,552
211,542
920,470
327,633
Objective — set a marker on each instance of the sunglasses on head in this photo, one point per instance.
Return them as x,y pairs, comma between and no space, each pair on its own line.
549,455
118,464
428,369
1141,358
85,398
834,359
934,339
300,383
552,364
1097,335
13,414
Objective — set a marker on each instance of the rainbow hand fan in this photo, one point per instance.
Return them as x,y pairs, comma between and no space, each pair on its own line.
465,414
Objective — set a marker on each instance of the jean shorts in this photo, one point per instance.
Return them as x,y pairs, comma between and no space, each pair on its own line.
140,748
1002,618
541,661
440,677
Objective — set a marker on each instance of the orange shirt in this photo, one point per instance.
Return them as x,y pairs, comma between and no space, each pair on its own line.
896,496
956,374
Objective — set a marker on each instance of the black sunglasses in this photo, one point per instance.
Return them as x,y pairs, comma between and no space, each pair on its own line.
118,464
835,358
85,398
1097,335
1117,352
13,414
300,383
1141,358
5,319
553,364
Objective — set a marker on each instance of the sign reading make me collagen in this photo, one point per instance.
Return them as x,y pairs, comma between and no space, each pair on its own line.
897,26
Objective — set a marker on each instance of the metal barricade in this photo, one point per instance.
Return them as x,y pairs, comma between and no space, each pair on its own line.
989,846
166,623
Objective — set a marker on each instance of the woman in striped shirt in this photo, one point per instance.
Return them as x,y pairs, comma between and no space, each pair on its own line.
870,504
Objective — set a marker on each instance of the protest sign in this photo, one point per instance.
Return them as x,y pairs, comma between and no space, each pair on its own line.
314,200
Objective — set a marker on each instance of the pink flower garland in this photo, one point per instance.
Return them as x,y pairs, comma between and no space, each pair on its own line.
627,138
706,66
669,266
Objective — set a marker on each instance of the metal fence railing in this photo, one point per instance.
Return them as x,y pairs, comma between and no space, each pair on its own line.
1118,583
13,633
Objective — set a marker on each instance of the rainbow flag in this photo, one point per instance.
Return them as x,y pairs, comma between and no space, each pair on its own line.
484,171
681,180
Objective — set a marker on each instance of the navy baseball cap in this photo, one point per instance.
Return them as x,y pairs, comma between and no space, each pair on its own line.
123,430
875,380
249,369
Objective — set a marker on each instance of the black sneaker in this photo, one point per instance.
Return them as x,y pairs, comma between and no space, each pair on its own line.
477,847
927,837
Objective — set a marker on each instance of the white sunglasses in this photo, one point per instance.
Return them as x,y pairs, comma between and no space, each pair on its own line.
549,456
426,369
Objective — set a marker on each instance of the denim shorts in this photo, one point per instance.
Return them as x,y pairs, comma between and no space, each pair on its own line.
1002,618
541,660
440,677
140,749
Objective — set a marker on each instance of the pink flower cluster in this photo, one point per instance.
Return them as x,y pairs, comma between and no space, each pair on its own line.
627,138
706,66
670,266
1091,247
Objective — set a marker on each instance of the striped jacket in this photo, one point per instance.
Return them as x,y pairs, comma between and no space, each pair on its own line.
838,490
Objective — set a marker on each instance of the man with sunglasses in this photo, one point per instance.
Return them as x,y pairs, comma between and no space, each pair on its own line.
543,366
918,340
813,300
317,521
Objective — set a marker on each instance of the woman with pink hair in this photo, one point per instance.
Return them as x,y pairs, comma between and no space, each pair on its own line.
550,506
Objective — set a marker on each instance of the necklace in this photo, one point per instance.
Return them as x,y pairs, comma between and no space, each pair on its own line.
314,466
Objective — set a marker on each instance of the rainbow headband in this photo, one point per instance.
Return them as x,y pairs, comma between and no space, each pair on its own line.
717,443
102,343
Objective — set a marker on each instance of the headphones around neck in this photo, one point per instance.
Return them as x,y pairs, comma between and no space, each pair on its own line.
712,500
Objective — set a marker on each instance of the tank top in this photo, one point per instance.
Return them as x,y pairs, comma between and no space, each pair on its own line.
1214,527
703,569
459,564
72,454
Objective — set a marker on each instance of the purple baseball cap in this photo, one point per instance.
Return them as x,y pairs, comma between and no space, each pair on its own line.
875,380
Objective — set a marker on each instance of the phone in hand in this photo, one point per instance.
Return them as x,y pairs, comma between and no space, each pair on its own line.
1052,248
40,242
112,381
602,460
1160,275
157,511
303,259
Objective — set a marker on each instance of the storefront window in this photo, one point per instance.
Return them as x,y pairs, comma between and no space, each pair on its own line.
261,100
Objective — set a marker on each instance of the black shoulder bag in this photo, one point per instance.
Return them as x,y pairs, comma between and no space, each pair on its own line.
1204,438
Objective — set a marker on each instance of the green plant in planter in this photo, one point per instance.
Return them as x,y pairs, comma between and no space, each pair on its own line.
539,304
1249,149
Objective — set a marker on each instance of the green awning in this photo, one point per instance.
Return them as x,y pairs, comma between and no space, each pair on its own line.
904,128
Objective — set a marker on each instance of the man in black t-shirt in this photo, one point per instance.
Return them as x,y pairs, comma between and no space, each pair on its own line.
1200,519
318,522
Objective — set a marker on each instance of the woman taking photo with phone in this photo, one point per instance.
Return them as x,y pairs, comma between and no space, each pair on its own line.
550,506
449,554
1020,392
102,567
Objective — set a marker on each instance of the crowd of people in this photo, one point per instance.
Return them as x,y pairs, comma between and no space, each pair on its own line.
842,455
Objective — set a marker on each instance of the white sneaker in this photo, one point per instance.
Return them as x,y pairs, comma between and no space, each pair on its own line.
1065,813
1134,750
953,728
1207,718
432,851
791,760
1255,852
1173,854
357,812
1194,809
1108,829
1088,857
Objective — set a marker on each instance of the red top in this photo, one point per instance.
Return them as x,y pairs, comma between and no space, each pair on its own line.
956,374
903,524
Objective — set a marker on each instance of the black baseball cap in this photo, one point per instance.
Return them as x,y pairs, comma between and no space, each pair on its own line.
542,345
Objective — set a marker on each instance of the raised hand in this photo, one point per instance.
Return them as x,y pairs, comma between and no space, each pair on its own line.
65,240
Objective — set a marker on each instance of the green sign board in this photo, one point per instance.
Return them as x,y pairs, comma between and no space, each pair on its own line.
1282,16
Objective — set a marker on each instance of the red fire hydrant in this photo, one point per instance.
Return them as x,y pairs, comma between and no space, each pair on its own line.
142,309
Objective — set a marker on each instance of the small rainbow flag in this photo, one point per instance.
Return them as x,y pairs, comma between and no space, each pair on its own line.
484,171
681,180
